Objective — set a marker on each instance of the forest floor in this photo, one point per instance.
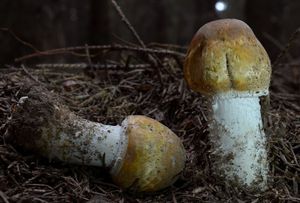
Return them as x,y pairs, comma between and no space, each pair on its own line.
142,82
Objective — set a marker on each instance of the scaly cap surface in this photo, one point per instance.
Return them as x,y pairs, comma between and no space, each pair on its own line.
155,156
225,55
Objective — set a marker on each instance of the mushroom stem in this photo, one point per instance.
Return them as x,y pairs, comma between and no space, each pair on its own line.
225,61
238,139
86,143
142,154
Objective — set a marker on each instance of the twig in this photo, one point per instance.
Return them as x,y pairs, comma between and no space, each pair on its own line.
167,46
293,37
152,58
174,197
4,197
277,43
30,75
125,20
123,41
88,54
100,66
19,39
99,47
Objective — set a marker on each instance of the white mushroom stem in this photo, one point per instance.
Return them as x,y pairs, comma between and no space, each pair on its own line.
238,139
62,135
141,154
89,143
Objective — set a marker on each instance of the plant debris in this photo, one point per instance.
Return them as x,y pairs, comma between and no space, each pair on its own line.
128,83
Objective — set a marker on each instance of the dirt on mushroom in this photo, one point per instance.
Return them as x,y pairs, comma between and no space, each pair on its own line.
27,119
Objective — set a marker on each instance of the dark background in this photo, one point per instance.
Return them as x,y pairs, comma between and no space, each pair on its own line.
52,24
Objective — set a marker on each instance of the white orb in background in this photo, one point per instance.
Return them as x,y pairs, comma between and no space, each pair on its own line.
220,6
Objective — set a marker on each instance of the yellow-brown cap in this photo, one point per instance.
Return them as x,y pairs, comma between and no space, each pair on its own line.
155,156
225,55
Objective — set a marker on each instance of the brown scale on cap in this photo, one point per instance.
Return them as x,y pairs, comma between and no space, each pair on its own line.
154,159
225,55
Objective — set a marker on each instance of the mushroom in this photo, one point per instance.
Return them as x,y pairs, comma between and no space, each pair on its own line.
141,154
229,65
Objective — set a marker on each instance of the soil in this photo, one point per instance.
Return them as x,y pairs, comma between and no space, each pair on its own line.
151,86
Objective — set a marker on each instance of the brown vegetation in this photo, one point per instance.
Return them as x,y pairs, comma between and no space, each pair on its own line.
127,80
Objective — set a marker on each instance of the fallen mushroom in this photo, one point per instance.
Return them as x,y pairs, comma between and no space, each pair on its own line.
141,154
229,65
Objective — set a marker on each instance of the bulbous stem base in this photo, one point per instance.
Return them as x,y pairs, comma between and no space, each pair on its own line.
239,142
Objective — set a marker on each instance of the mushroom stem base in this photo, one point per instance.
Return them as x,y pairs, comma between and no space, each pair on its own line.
80,141
238,142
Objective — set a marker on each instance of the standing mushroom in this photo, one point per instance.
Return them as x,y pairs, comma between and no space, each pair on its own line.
141,154
229,65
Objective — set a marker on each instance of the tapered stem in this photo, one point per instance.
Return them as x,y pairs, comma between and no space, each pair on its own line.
238,141
87,143
142,154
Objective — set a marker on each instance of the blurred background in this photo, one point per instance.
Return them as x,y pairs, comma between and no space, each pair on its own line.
52,24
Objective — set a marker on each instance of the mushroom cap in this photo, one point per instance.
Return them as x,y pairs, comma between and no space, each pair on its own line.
155,156
225,55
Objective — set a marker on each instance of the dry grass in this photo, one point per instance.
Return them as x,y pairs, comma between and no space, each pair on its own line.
151,84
